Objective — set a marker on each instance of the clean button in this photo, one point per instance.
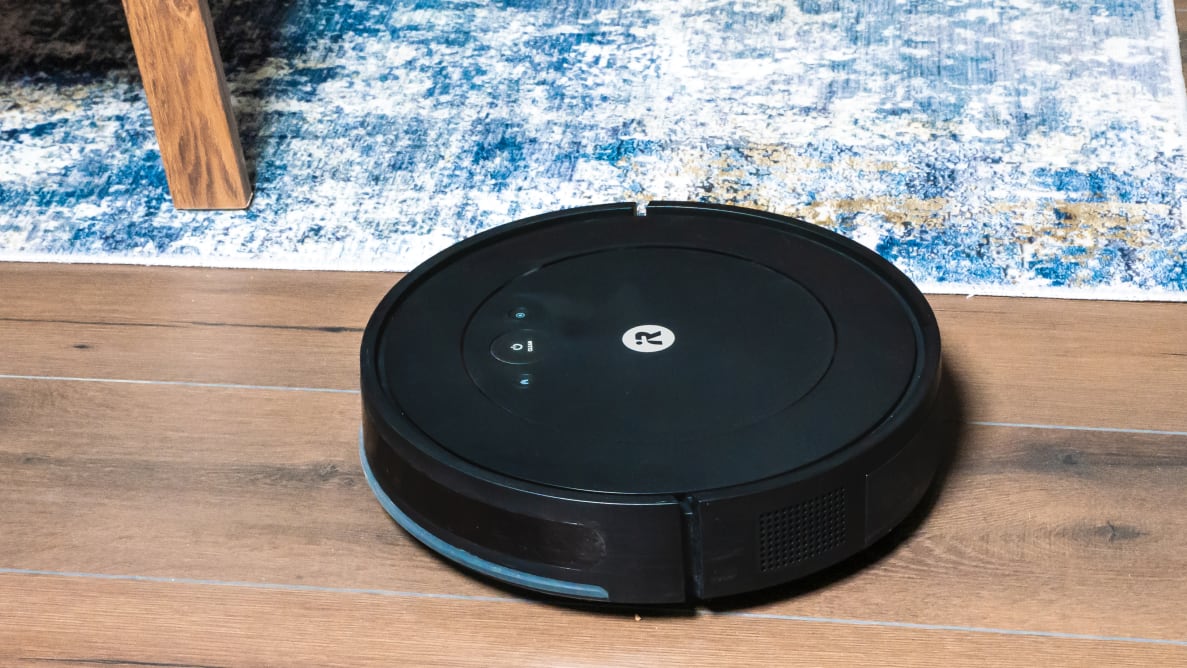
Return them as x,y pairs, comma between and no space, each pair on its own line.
519,347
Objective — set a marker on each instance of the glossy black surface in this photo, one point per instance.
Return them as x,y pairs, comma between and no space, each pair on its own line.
763,377
694,404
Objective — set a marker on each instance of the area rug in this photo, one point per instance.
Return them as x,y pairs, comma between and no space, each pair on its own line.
1022,147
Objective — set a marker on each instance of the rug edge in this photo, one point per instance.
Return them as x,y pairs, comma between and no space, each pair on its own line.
969,290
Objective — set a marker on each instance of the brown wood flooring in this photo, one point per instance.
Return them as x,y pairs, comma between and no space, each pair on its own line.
180,486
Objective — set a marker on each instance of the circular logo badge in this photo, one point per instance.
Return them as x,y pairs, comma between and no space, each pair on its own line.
648,338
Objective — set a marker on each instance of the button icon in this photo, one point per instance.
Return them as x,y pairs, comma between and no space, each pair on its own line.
648,338
519,347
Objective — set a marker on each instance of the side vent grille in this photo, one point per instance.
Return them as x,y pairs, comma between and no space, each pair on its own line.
796,533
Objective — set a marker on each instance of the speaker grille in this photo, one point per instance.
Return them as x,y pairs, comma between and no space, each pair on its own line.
793,534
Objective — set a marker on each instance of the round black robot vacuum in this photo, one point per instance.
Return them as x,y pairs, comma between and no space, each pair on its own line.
651,406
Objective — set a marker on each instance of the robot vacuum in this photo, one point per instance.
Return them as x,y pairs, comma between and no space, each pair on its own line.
651,406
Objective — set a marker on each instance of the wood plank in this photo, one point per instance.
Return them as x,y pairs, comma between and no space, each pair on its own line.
203,626
123,294
191,109
217,353
1074,532
221,326
1098,364
1101,364
197,482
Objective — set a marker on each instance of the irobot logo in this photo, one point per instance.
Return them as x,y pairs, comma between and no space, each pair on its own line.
648,338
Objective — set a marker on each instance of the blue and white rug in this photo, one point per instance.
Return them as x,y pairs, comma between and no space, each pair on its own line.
986,146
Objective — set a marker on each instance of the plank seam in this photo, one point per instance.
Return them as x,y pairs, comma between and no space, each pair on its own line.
334,390
180,383
839,621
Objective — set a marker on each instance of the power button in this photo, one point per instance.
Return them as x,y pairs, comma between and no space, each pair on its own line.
522,346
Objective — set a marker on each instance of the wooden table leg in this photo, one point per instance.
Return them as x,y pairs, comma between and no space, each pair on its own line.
187,94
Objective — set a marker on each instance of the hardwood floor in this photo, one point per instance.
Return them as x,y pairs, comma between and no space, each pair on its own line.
180,482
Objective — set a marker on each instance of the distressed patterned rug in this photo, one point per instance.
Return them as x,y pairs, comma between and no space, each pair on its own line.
985,146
